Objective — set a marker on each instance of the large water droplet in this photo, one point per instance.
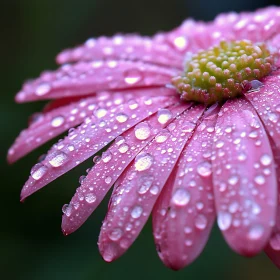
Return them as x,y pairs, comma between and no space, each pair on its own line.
115,234
90,198
201,222
38,171
142,131
181,197
132,77
145,182
224,220
136,212
57,121
164,115
42,89
57,159
256,232
204,169
121,117
143,161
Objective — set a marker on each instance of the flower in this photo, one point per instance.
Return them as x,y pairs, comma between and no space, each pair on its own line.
183,161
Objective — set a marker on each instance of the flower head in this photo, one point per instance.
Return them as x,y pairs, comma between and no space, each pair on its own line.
212,152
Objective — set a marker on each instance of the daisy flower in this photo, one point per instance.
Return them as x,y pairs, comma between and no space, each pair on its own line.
183,125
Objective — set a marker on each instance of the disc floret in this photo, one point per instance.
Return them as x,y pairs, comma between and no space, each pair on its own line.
220,72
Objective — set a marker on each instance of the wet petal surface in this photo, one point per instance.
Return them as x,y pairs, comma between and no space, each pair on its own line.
244,178
137,190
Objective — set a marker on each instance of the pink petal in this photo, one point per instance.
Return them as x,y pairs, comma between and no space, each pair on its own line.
104,174
84,78
273,247
257,26
266,101
56,121
184,213
244,178
89,138
124,47
138,188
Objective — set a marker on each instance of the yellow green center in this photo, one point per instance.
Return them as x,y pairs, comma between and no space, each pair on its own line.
221,72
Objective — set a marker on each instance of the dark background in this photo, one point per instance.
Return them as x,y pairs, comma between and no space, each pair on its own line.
32,246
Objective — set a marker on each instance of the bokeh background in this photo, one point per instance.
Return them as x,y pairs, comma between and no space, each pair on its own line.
31,244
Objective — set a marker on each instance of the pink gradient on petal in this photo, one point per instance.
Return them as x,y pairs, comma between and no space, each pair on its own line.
84,78
184,213
244,178
120,154
89,138
124,47
138,188
266,101
273,247
60,119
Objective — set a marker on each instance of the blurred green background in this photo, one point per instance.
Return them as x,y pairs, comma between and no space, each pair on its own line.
32,246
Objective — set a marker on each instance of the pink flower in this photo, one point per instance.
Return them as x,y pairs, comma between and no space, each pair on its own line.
182,161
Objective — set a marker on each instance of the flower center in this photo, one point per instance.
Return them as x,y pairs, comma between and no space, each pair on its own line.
223,71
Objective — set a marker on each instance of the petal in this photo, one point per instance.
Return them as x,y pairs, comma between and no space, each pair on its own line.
124,47
244,178
84,78
257,26
89,138
273,247
104,174
138,188
184,213
58,120
266,101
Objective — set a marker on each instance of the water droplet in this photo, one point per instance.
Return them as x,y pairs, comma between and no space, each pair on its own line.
256,232
275,242
67,209
204,169
164,115
142,131
145,182
100,112
57,159
132,104
108,180
181,197
57,121
90,198
224,220
143,161
121,117
38,171
132,77
136,212
266,160
115,234
43,89
106,156
201,222
259,179
123,148
233,180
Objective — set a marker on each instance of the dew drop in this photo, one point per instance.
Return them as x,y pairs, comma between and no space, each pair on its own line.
57,121
132,77
115,234
259,179
164,115
90,198
38,171
42,89
224,220
204,169
145,182
136,212
67,209
275,242
256,232
266,160
201,222
181,197
121,117
57,159
142,131
143,161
